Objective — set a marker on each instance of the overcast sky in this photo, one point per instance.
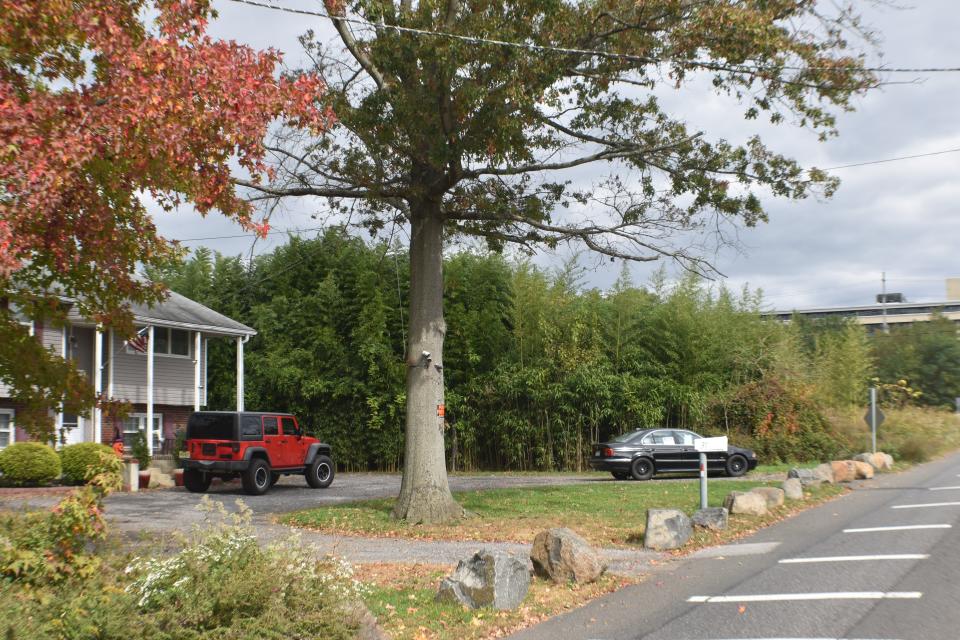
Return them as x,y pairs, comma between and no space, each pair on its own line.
898,217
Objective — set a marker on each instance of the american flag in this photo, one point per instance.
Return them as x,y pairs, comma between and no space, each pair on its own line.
140,341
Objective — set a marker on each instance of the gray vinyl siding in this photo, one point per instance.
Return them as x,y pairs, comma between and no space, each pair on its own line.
172,377
50,338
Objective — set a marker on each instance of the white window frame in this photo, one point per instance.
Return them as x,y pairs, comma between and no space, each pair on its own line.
12,425
142,423
167,354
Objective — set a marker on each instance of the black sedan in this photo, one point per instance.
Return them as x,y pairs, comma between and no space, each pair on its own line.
644,452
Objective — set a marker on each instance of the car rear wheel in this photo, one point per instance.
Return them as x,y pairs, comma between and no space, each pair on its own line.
196,481
736,466
641,469
320,472
256,479
620,475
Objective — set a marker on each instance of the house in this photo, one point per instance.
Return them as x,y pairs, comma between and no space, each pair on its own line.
163,383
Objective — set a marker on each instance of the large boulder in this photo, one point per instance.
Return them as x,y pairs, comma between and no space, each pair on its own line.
825,473
713,518
487,579
864,470
793,489
159,479
667,529
879,461
886,461
772,495
844,470
750,504
806,477
563,556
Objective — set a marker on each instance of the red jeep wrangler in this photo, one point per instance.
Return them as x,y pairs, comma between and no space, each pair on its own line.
257,446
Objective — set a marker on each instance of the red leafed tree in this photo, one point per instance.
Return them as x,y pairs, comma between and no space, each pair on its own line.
99,109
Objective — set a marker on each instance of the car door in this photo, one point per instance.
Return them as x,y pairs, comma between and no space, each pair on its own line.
293,453
666,451
689,458
272,440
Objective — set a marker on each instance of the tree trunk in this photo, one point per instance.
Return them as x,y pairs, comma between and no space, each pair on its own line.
424,492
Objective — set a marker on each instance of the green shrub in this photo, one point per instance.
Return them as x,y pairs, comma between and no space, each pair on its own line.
29,463
779,421
139,450
79,459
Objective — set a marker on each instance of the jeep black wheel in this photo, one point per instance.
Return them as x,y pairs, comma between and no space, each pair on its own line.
736,466
320,472
196,481
256,479
642,469
274,478
620,475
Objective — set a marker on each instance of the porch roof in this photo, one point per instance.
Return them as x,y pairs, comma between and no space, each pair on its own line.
181,312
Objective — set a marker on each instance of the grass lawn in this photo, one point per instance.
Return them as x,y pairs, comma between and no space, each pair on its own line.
606,513
402,599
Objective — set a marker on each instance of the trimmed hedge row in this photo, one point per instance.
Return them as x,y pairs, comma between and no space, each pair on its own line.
26,463
77,459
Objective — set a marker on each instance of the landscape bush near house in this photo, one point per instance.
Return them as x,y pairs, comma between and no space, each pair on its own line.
29,463
221,584
536,366
46,547
140,451
78,459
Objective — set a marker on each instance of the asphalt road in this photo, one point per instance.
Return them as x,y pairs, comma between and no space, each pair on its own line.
837,571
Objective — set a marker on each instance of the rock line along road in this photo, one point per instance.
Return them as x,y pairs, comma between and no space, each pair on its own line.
881,563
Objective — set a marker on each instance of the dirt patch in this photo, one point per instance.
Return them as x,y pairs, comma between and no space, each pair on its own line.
21,493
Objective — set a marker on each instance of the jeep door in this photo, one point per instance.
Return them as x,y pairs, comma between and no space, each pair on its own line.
272,440
293,444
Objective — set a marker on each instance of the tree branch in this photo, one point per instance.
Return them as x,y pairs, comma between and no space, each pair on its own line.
618,151
362,58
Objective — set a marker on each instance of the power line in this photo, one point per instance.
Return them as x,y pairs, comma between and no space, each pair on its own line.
247,235
918,155
591,52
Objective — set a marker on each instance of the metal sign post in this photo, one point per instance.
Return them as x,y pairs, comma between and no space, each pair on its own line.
705,446
874,417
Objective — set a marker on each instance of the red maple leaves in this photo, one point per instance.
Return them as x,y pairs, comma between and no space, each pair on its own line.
98,109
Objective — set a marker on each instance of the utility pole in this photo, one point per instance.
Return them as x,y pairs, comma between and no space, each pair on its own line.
883,300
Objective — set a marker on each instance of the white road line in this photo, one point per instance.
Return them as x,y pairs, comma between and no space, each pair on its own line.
902,527
834,595
926,504
889,556
944,488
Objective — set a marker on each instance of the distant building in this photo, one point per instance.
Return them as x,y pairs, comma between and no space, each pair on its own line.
874,315
164,380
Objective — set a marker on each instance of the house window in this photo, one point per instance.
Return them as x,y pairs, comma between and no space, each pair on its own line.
136,423
169,342
7,431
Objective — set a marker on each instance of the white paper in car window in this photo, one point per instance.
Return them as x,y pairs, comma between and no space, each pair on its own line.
668,440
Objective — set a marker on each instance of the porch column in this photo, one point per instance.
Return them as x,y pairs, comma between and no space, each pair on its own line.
240,341
196,370
98,384
110,365
150,390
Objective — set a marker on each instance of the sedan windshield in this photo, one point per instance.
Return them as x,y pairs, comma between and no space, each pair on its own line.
626,437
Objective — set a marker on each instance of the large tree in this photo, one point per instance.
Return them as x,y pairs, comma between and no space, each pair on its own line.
100,108
456,136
